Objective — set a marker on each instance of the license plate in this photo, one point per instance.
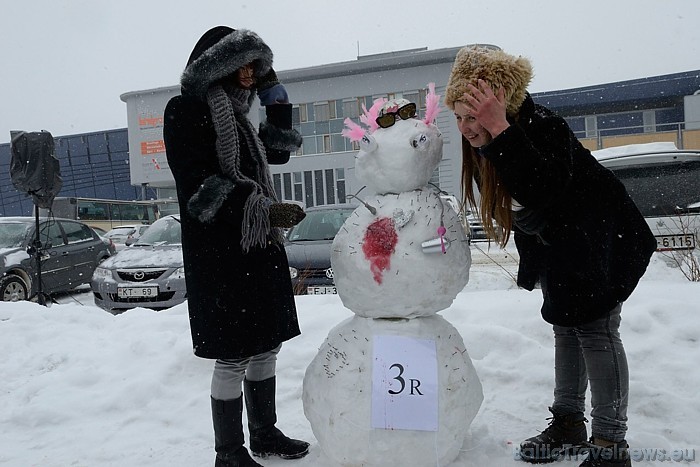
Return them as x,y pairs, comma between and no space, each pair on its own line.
675,242
321,290
129,292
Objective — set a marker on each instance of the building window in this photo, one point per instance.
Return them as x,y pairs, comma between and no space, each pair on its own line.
318,185
330,187
309,188
303,114
649,121
308,145
332,110
351,108
591,126
287,178
298,187
421,98
322,112
277,183
340,185
326,143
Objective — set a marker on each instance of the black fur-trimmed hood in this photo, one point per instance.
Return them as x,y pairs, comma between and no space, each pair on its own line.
223,58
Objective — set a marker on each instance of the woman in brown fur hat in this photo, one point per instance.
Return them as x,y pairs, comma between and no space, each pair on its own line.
578,233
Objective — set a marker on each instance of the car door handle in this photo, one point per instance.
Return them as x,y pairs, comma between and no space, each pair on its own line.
65,253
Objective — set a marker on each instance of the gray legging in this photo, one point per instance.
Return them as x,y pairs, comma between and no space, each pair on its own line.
593,353
229,374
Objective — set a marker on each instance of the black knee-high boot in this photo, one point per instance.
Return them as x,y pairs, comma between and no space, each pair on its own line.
228,434
265,438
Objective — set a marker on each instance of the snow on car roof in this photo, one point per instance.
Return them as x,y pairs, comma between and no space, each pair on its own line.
632,149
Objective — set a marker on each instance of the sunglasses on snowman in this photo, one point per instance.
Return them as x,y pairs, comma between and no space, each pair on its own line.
389,118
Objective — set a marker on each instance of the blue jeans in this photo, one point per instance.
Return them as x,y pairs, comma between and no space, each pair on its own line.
593,353
229,374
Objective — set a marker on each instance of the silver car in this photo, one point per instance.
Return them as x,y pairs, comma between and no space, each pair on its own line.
149,274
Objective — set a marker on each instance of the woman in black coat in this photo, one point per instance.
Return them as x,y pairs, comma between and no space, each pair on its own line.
240,297
578,233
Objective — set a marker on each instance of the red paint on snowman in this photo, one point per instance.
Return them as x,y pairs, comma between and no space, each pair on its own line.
379,244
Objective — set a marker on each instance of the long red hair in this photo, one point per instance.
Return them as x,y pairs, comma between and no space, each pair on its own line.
495,203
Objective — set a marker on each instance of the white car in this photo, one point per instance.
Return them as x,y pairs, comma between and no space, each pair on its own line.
663,182
125,235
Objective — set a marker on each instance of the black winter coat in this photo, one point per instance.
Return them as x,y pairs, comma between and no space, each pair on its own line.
239,304
592,245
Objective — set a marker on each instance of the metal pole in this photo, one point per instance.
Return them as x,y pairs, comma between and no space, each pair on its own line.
37,255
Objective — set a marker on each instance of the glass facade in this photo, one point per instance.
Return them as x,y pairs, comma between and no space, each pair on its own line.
94,165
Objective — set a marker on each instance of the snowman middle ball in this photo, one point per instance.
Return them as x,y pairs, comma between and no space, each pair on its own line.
380,267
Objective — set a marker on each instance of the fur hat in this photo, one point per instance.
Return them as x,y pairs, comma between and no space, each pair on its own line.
219,53
494,66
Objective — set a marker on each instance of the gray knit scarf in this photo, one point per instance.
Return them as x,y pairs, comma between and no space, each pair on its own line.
229,114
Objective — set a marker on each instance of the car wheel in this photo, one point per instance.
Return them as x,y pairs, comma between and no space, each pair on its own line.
12,289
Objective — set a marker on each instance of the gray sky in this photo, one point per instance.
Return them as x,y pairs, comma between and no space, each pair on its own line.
66,62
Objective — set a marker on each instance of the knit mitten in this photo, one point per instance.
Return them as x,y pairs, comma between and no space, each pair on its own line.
285,215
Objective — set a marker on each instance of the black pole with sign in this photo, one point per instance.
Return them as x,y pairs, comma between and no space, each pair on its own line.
36,171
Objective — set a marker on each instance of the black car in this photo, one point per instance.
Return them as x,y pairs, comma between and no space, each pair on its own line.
308,246
69,253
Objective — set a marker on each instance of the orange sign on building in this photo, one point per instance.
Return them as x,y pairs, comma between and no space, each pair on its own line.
152,147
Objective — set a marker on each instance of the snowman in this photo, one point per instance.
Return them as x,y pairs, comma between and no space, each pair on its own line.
394,384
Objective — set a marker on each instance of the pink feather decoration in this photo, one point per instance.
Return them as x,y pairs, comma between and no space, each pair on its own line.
370,116
353,131
432,105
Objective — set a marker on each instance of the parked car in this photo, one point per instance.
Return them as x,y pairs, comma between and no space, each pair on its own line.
100,231
150,273
125,235
69,253
664,183
308,247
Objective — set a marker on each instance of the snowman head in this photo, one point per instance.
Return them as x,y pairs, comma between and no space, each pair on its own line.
398,152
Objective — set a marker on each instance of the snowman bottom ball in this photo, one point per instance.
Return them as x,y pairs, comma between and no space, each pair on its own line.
392,392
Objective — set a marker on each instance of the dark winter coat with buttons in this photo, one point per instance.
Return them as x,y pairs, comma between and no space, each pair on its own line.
240,303
580,234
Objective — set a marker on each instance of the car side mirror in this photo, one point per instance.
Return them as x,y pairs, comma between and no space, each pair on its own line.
130,241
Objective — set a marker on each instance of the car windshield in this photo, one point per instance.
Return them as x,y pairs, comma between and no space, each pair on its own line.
12,234
121,232
319,225
165,231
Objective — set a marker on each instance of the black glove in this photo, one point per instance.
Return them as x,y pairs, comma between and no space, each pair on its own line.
270,91
285,215
266,81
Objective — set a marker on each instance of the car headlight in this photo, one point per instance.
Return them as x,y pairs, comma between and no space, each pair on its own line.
101,273
179,273
293,273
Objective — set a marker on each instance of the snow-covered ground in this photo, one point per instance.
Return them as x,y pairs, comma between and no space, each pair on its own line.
80,387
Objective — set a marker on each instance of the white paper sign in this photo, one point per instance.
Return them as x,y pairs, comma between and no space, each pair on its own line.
404,384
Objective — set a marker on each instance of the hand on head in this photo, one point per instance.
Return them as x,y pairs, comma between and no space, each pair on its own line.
487,108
